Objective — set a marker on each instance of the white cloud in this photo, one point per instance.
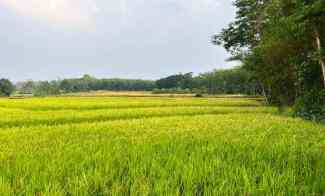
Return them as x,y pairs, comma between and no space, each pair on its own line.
78,13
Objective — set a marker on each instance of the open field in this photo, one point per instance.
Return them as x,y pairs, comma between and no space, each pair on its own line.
156,146
105,93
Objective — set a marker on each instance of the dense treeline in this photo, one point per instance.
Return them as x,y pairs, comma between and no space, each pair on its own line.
181,81
280,42
224,81
228,81
86,83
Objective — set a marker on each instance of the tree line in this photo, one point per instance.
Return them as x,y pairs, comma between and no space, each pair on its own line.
83,84
280,42
225,81
220,81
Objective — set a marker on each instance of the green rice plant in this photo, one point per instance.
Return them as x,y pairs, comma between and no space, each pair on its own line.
79,103
30,118
196,148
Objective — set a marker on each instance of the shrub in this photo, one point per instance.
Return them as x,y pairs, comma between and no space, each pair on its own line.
198,95
311,106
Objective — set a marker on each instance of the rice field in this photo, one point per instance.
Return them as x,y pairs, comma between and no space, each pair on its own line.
157,146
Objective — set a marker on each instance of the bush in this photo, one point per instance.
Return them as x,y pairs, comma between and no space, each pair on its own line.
198,95
311,106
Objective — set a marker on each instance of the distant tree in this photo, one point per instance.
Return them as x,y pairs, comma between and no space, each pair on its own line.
229,81
67,85
88,83
46,88
183,81
27,87
187,81
6,87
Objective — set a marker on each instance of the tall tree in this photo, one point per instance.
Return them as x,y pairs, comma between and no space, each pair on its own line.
276,40
312,14
245,32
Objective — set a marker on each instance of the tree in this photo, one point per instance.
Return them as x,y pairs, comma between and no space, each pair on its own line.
182,81
273,37
46,88
88,83
245,32
280,43
6,87
229,81
27,87
312,14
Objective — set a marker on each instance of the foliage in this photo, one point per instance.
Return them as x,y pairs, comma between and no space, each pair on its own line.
26,87
87,83
6,87
46,88
311,106
229,81
84,84
156,146
280,42
182,81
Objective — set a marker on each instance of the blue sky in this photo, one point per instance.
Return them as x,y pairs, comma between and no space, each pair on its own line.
51,39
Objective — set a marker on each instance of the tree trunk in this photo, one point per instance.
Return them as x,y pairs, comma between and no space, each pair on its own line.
265,95
319,50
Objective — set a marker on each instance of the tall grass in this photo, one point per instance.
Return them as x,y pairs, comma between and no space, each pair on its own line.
209,147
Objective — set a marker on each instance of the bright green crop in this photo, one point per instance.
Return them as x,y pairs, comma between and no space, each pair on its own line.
157,146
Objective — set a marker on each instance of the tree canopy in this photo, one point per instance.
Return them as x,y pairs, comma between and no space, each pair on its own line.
280,43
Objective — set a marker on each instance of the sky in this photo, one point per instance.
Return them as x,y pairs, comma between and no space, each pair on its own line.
148,39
